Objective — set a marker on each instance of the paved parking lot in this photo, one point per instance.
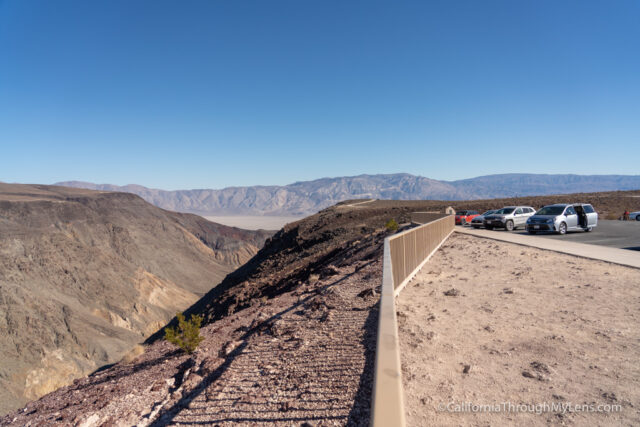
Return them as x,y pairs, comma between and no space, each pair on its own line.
616,234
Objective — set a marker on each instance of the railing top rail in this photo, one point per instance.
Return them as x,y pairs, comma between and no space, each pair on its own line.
395,236
387,399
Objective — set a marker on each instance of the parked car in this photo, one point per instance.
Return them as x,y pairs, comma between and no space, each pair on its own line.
478,221
634,215
563,217
465,216
509,217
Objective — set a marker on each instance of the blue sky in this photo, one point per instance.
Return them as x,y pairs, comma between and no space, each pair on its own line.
208,94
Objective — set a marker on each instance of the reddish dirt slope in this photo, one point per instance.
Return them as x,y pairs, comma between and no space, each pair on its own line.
305,355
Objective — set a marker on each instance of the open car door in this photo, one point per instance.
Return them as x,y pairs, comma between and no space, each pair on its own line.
592,215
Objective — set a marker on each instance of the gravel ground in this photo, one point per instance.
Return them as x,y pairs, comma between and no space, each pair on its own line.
310,366
489,322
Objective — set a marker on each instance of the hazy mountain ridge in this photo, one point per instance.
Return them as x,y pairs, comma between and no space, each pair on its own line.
518,185
84,276
306,197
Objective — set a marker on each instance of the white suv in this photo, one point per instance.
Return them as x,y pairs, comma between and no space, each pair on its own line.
509,217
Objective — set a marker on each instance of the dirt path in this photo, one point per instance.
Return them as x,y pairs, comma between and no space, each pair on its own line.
351,205
308,367
488,323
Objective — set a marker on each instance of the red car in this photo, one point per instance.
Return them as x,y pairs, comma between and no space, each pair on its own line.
463,217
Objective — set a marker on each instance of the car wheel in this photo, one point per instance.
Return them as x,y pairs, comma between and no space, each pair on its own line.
463,222
476,226
489,227
532,231
638,217
509,225
562,228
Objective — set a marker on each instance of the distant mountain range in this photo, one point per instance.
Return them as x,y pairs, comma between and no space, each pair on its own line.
303,198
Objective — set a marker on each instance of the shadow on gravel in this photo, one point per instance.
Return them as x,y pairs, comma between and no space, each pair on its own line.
359,414
127,370
170,413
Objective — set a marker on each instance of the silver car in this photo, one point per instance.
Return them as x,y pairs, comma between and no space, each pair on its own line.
509,217
562,217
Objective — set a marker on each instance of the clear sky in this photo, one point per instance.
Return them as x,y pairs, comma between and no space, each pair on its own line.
208,94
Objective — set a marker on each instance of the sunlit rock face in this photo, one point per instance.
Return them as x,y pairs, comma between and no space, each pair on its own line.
85,276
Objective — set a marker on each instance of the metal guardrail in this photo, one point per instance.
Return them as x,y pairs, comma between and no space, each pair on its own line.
411,248
404,254
425,217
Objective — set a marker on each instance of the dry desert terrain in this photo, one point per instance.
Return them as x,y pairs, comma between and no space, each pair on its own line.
492,323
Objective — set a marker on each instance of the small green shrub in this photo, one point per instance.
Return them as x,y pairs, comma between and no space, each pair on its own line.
392,225
187,334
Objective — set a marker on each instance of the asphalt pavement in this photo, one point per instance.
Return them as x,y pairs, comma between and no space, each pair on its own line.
615,234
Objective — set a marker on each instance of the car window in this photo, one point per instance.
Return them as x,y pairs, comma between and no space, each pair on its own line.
588,209
550,210
504,211
529,210
570,211
461,212
518,211
473,213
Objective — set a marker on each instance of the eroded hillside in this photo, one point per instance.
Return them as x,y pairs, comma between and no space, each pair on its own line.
288,336
86,275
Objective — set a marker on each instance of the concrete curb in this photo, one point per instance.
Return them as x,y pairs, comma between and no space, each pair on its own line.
623,257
